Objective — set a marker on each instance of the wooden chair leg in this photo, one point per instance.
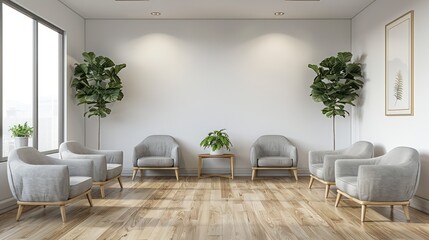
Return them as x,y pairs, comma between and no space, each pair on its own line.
328,186
253,173
295,173
134,173
363,213
102,191
177,174
141,174
19,213
337,202
63,213
311,182
89,197
406,212
120,183
44,206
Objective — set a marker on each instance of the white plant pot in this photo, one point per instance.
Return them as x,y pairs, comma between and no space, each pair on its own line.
21,142
217,152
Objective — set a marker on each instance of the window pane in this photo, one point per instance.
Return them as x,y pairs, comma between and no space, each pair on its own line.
49,66
17,73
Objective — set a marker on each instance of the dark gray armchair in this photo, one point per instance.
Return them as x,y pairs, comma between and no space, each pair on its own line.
36,179
107,163
322,163
391,179
156,152
271,152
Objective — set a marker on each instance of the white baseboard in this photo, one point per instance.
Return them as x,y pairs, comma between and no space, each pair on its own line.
7,205
239,172
420,203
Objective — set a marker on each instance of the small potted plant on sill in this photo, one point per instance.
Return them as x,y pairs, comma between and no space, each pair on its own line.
217,141
21,133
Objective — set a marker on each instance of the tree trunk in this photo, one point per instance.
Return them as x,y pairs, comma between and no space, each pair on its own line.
333,130
99,132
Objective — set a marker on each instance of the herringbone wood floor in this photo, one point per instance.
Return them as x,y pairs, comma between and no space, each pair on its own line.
214,208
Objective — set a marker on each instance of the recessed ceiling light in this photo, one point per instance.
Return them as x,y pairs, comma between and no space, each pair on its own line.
279,13
155,13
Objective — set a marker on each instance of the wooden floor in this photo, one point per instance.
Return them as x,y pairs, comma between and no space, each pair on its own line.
214,208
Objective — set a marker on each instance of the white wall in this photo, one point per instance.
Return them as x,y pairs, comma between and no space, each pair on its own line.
369,121
188,77
59,15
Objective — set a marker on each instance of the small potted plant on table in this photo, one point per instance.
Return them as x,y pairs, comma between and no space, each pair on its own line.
21,133
217,141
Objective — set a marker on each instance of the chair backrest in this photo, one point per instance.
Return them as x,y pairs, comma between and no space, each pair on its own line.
401,156
361,149
73,147
272,145
409,161
28,155
159,145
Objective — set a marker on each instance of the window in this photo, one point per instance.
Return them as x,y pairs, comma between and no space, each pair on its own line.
31,79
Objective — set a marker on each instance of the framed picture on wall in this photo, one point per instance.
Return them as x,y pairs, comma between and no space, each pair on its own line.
399,66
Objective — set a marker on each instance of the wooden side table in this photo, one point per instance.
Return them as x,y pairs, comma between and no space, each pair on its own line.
223,156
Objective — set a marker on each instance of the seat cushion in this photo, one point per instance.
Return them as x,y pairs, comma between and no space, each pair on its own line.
347,185
113,170
317,170
79,185
275,162
155,162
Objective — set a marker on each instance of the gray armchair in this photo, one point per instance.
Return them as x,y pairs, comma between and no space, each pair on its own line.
322,163
36,179
156,152
107,163
273,152
391,179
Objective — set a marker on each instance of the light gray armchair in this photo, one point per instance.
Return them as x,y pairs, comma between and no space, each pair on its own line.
391,179
156,152
273,152
322,163
107,163
36,179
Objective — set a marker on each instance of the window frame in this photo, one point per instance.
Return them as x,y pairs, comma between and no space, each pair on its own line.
61,78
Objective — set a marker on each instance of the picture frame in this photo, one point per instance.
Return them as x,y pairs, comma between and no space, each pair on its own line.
399,66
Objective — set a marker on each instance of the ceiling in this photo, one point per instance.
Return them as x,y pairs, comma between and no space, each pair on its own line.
217,9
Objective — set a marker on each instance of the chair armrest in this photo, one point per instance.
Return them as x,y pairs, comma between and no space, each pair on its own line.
293,154
77,167
40,183
329,165
139,151
316,157
112,156
350,167
387,183
255,154
99,172
175,154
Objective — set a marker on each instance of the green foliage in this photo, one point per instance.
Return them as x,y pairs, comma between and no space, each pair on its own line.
398,89
336,83
97,84
21,130
216,140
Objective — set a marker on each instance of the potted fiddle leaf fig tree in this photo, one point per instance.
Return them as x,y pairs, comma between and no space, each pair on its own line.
97,84
336,85
21,133
217,141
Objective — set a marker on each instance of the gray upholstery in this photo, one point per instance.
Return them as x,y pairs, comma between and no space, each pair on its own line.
101,158
34,177
157,151
390,178
322,163
273,151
